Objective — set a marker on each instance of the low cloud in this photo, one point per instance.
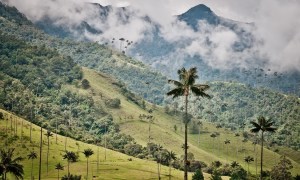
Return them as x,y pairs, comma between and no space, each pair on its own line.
275,30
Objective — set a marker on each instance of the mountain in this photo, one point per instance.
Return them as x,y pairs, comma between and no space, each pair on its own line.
199,12
167,56
50,81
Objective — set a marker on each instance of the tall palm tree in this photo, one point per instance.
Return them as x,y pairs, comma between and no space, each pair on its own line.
227,141
248,160
71,157
262,125
87,153
9,164
158,158
184,87
48,134
58,167
213,135
171,156
32,155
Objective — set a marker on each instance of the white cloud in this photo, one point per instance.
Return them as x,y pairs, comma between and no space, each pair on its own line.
277,26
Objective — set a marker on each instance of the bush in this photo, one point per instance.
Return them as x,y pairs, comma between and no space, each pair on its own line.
113,103
85,84
198,175
71,177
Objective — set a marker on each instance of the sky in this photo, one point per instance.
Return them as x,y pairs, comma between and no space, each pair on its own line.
276,31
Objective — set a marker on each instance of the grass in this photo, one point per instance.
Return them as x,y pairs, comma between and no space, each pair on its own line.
162,132
116,166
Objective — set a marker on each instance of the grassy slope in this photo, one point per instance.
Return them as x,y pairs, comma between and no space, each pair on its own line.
117,165
162,131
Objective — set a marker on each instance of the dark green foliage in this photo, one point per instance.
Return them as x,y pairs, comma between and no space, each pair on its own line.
85,84
239,174
282,169
113,103
133,149
215,176
9,164
71,177
198,175
1,116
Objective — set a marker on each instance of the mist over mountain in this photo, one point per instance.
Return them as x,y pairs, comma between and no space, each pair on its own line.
221,48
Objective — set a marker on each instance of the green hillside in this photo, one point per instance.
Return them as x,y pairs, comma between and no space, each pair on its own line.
116,165
42,80
162,132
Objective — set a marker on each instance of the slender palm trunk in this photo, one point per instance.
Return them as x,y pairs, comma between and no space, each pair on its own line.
41,144
158,170
185,138
97,158
170,170
31,169
68,169
261,154
48,155
58,174
31,122
87,168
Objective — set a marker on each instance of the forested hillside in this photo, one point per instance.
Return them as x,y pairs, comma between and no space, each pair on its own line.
49,81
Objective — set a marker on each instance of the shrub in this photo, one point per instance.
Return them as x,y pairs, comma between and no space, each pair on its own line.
85,84
198,175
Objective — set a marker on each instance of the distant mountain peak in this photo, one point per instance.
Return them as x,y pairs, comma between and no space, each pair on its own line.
199,12
199,8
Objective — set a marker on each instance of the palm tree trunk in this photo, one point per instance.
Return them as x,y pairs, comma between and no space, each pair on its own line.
185,138
41,144
58,174
68,169
158,170
170,170
87,168
31,169
261,154
48,156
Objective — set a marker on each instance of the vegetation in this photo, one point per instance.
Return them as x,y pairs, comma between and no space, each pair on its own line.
262,125
184,87
41,81
10,164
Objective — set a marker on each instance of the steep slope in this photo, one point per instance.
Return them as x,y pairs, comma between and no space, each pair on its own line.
162,130
115,166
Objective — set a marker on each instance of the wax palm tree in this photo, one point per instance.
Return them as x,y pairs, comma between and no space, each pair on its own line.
184,87
71,157
48,134
171,156
87,153
248,160
213,135
9,164
227,141
32,155
158,158
262,125
58,167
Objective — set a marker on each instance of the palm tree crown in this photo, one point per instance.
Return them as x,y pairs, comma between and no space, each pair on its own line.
88,152
32,155
59,166
263,125
186,84
8,164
